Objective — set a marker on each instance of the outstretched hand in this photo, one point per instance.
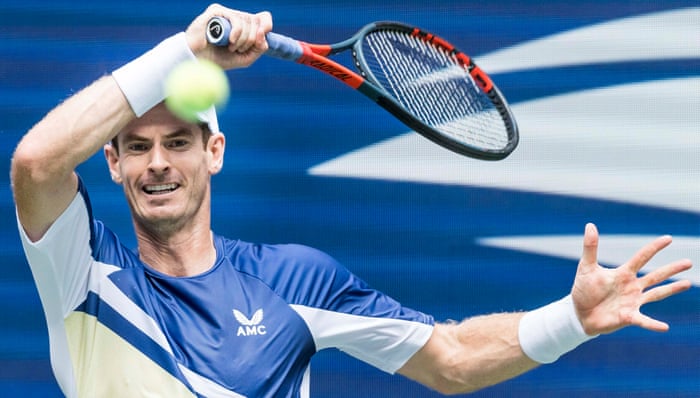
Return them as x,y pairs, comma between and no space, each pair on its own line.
610,299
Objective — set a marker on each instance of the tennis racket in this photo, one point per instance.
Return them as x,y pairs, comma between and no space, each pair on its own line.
421,79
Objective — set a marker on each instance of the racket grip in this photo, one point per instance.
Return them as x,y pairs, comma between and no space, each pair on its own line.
279,46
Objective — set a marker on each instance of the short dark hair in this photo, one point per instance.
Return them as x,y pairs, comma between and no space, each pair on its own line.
204,127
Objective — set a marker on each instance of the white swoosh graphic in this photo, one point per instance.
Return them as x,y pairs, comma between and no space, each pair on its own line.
613,250
663,35
634,143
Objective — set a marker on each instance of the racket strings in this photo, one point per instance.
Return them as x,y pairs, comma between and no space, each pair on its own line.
432,86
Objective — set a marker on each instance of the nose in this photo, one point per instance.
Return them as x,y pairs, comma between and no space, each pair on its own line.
159,162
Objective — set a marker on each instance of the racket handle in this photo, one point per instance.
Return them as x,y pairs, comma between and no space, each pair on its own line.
280,46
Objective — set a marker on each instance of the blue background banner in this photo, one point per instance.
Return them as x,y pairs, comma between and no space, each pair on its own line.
606,94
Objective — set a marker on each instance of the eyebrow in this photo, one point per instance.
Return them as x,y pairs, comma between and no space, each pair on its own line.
179,132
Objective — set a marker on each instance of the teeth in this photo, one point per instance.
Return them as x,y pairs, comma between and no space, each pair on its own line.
160,188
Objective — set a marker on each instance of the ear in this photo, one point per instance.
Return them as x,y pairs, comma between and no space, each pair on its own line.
216,148
112,158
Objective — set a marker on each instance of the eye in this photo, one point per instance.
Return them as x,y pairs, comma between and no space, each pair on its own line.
137,147
179,143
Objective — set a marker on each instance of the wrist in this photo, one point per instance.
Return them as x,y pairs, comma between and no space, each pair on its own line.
551,331
142,80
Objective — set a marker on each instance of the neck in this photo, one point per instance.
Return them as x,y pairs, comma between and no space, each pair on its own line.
187,252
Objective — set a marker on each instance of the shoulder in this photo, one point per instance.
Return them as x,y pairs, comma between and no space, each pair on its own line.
258,258
299,273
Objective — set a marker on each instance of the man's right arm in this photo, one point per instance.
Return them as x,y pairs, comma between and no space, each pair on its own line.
42,170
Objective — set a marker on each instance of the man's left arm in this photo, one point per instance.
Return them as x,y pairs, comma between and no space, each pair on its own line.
485,350
467,356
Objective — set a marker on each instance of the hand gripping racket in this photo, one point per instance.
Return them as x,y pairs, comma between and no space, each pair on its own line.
420,78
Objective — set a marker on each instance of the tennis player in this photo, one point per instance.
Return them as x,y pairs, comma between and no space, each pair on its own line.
193,313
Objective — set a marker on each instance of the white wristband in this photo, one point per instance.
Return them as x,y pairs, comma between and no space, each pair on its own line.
551,331
142,80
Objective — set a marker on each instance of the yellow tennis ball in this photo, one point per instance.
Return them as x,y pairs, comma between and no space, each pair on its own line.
194,86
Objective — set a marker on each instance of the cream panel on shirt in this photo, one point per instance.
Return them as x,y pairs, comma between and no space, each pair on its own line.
105,365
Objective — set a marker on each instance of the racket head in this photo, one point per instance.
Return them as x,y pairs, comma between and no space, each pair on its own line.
435,89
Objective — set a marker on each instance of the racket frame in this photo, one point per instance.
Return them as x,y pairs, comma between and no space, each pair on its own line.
316,56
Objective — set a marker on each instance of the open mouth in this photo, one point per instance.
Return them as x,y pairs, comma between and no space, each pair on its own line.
160,189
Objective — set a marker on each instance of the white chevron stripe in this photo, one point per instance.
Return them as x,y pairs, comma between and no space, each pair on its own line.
613,250
207,387
635,143
664,35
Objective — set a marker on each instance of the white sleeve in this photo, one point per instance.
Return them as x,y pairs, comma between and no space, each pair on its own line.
384,343
61,259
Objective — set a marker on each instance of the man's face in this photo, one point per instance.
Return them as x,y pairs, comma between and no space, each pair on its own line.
165,168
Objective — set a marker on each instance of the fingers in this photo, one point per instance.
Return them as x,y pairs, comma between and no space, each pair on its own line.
248,31
661,292
264,27
664,273
247,40
610,299
649,323
661,275
647,252
589,258
244,32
